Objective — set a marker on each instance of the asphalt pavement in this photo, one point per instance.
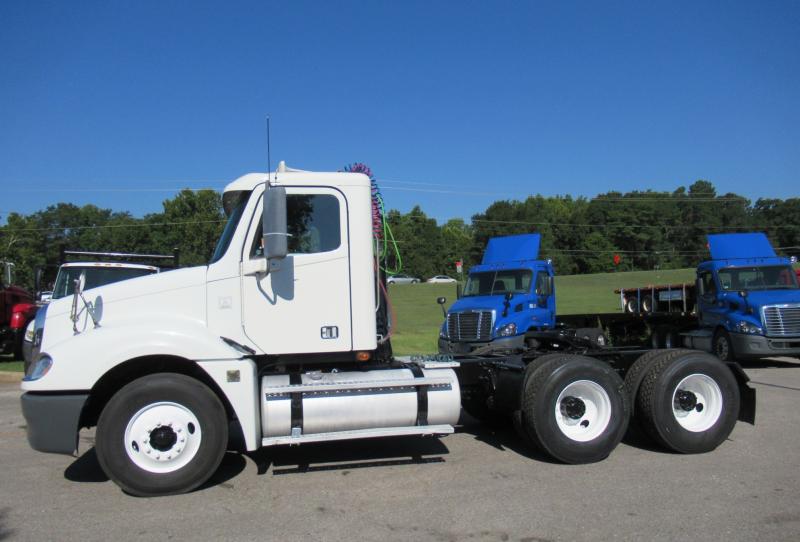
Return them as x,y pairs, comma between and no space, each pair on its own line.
476,485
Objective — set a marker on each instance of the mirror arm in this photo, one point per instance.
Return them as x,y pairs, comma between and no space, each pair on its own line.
256,266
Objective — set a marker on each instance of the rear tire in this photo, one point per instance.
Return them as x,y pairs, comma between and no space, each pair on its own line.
665,337
162,434
688,403
575,409
640,368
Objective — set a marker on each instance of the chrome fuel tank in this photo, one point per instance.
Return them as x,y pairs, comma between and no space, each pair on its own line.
356,400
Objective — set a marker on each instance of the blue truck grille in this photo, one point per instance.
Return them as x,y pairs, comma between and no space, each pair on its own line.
469,326
782,320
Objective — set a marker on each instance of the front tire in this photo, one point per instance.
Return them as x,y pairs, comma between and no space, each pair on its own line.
723,346
688,403
575,409
162,434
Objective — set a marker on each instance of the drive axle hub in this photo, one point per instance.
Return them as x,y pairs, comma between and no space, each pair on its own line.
573,407
687,401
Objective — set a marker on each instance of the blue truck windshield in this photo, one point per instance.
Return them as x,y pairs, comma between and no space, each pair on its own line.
517,281
771,277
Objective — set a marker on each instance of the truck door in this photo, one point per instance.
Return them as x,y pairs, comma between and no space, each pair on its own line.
711,309
303,304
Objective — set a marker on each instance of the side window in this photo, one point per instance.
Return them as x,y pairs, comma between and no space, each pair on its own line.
709,288
312,223
542,283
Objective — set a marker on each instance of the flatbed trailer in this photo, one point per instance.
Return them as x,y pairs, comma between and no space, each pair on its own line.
678,297
643,329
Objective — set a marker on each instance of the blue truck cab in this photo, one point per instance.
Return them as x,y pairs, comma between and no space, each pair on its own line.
748,300
510,293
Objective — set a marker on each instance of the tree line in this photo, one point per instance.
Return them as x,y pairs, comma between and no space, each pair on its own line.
643,229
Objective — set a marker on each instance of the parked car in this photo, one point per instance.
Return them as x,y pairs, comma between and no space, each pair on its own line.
402,279
441,279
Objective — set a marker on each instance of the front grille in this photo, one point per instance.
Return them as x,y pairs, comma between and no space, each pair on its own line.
782,320
469,326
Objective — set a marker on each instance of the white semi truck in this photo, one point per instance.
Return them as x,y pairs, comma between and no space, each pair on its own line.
283,339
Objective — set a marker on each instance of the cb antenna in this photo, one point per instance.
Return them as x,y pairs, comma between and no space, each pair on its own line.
269,156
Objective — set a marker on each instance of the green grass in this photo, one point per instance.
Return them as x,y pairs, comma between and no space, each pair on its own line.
12,366
419,317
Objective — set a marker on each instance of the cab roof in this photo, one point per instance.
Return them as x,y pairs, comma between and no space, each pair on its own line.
512,248
284,175
732,246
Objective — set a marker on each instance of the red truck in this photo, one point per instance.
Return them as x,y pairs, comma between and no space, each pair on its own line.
17,308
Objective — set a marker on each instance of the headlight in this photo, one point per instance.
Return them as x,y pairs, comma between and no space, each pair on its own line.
507,330
29,332
747,327
39,368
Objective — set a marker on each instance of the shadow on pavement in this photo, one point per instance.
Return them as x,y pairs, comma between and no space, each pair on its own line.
769,364
86,469
349,455
501,436
4,531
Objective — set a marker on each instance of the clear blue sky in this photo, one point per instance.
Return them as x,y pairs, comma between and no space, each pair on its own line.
498,98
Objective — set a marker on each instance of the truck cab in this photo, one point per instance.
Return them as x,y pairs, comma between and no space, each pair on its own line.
510,293
748,300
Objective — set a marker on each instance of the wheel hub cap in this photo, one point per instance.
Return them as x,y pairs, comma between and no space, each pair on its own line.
697,403
686,400
162,437
573,408
583,410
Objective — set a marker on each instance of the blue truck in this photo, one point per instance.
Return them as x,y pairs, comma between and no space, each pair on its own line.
745,304
516,354
510,295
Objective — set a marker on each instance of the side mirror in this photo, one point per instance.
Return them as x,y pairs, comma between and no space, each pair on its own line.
551,285
37,279
441,301
80,283
699,286
274,223
459,292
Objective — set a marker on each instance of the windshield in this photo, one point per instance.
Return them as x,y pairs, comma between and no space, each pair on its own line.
95,276
517,281
234,204
773,277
